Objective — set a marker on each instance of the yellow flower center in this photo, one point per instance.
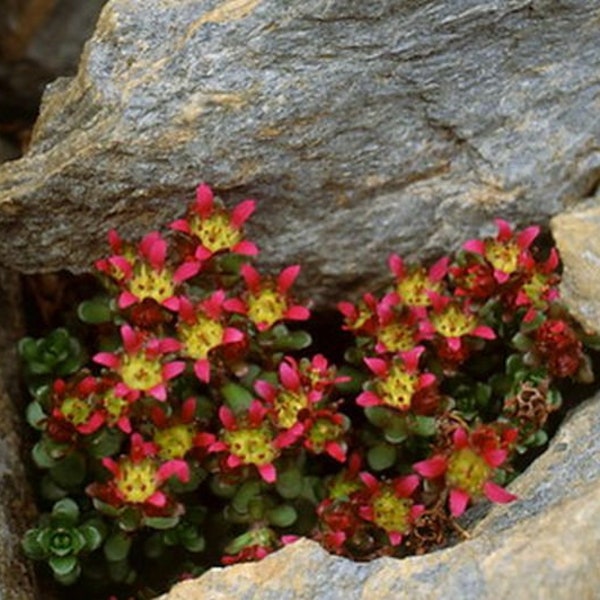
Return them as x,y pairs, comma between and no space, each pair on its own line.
287,405
252,446
323,431
148,283
467,471
201,337
390,512
114,406
414,286
503,256
342,488
216,232
75,410
268,307
174,442
535,288
140,373
137,480
397,337
397,389
453,322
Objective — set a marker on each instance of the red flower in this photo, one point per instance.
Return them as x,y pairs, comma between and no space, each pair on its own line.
251,440
362,318
215,228
469,468
396,381
390,506
507,252
146,276
559,347
202,328
138,480
267,301
142,366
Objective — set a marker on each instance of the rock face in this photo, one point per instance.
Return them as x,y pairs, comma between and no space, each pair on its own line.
362,128
544,545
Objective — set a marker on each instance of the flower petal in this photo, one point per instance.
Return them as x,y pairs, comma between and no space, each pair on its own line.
267,472
242,212
458,502
432,467
498,494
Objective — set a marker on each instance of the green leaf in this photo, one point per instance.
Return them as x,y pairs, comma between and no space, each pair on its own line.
106,442
35,415
521,342
66,511
94,532
70,471
379,416
237,397
423,426
117,546
222,488
248,491
354,385
95,311
31,545
154,546
69,578
63,565
514,364
161,522
289,483
294,340
41,456
196,544
381,457
50,490
282,516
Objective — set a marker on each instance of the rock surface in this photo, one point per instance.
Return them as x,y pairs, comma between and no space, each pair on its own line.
544,545
361,128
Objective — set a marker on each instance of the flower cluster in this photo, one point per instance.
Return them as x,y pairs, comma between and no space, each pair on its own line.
201,422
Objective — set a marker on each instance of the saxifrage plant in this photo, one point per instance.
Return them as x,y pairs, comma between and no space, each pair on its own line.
203,430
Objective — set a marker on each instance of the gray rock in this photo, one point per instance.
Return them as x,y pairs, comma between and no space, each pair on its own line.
362,128
39,41
542,546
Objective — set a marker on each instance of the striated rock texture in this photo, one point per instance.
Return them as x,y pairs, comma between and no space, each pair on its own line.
17,510
577,235
544,545
361,128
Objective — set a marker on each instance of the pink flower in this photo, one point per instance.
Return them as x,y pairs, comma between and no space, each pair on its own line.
142,365
215,228
267,301
469,468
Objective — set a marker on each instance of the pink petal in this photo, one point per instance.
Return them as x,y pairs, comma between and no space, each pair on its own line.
411,358
126,299
336,451
265,390
231,335
159,392
460,438
501,276
180,225
96,421
166,345
297,313
233,461
289,437
205,439
369,480
202,370
121,264
416,511
439,269
241,213
204,200
245,248
395,537
289,376
432,467
458,502
287,277
426,379
475,246
227,417
396,265
173,369
504,230
157,499
256,412
107,359
186,271
498,494
131,340
377,366
485,332
124,424
114,241
251,277
202,253
171,303
188,410
235,305
174,468
157,254
495,458
347,309
267,472
526,237
405,486
367,399
111,465
454,343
